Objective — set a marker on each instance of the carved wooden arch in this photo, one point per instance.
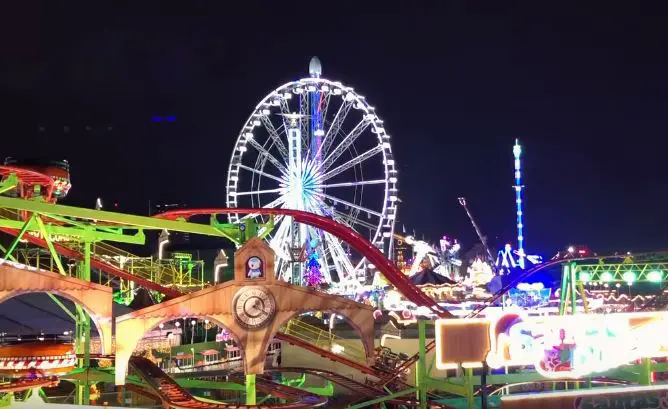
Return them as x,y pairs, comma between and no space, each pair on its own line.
213,303
131,330
17,279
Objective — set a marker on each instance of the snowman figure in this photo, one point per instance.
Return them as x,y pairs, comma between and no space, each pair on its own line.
254,267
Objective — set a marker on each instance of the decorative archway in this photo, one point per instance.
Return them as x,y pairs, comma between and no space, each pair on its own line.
17,279
130,329
216,303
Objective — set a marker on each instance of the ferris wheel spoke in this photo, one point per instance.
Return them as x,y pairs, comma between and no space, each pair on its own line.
259,192
277,243
347,219
348,184
273,133
349,139
334,127
274,203
262,173
344,267
268,155
351,163
353,205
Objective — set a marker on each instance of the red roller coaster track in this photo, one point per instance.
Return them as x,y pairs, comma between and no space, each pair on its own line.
345,233
25,384
175,396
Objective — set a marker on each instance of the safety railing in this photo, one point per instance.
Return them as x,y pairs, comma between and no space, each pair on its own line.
324,339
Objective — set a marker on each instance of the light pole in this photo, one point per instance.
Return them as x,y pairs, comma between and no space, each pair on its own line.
193,323
162,242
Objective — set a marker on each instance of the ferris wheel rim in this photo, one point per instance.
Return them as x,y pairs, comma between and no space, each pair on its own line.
386,218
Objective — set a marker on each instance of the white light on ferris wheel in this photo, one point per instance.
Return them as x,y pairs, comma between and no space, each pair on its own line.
318,172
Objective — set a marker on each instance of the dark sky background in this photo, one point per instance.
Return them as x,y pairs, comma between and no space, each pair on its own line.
586,90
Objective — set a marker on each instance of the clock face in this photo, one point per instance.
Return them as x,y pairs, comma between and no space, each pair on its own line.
253,307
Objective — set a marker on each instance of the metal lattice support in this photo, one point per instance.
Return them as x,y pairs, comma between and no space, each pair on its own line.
629,272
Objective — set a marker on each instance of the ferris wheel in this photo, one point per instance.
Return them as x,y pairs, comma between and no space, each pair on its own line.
318,146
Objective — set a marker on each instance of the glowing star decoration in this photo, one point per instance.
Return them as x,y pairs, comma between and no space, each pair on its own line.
505,260
576,346
480,273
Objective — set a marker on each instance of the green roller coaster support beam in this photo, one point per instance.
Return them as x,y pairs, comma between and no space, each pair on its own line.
563,293
7,400
83,329
126,221
382,399
297,382
47,238
626,272
62,306
245,229
646,372
84,232
421,372
327,390
17,239
251,397
10,182
11,256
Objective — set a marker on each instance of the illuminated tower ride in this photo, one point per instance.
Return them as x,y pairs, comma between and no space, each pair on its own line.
517,153
317,145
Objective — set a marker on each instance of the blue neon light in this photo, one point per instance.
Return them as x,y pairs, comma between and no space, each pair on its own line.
517,152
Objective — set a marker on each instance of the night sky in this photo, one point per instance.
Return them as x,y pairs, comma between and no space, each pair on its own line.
586,91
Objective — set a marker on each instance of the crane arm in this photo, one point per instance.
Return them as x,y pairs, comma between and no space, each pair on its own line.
483,239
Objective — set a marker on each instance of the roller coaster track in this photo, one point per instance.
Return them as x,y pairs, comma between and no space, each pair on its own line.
25,384
342,232
144,273
101,264
175,396
147,277
361,390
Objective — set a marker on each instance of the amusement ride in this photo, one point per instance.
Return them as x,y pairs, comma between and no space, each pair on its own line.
318,146
311,210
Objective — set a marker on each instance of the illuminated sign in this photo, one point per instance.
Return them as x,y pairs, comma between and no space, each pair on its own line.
530,295
574,346
564,346
52,237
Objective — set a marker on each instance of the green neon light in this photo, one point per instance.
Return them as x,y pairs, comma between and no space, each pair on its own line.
655,276
607,276
584,276
629,276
